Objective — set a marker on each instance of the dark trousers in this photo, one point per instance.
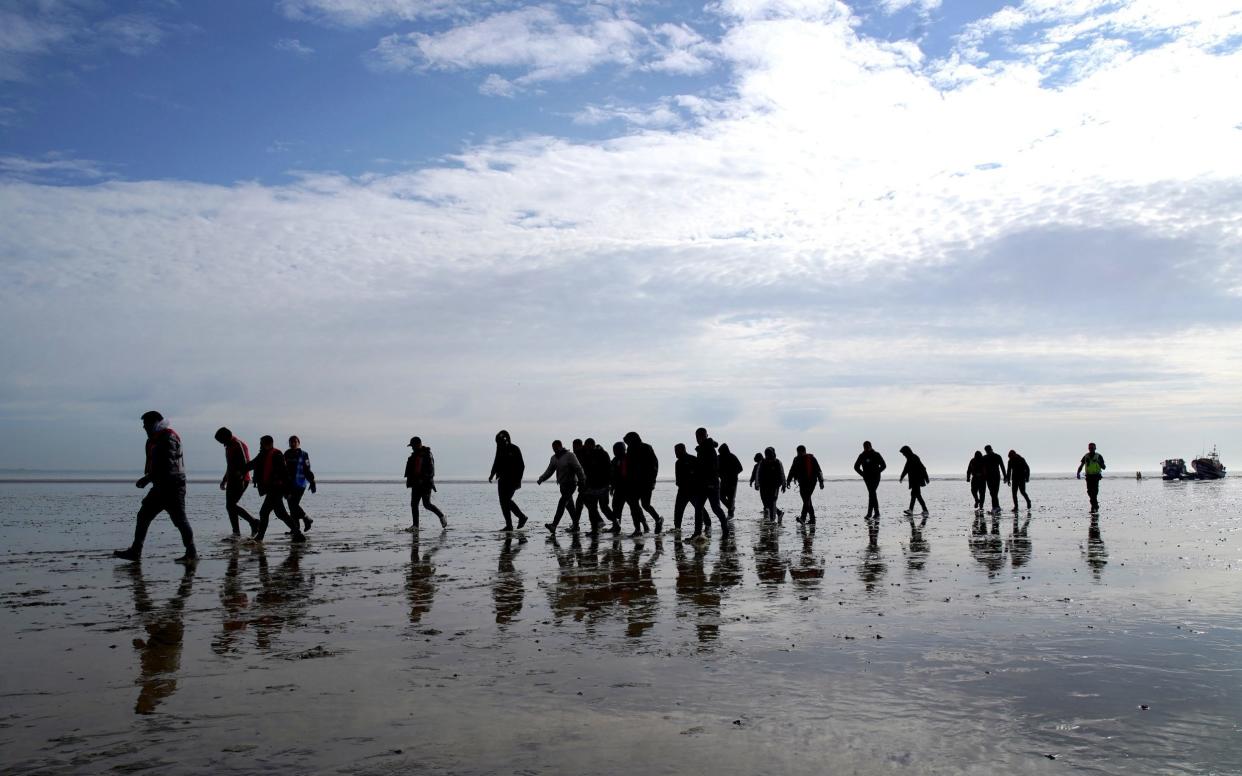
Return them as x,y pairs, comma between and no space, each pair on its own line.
695,498
566,502
916,494
422,495
163,498
1019,487
233,492
295,503
620,500
507,505
768,495
994,481
712,497
806,492
643,497
1093,491
728,494
273,502
595,501
873,499
978,489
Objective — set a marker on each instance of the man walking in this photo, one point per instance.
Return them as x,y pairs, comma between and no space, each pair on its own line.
1093,463
420,478
993,472
271,479
806,472
235,481
569,475
730,470
1019,475
164,471
297,461
507,469
707,467
642,468
689,489
597,472
870,465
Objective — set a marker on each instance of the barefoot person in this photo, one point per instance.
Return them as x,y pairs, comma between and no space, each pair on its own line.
235,481
1093,463
507,469
271,479
870,465
804,469
1019,476
420,478
297,461
164,471
917,472
569,475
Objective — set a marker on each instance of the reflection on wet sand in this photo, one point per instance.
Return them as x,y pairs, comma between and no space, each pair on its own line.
234,602
283,598
872,568
1097,554
808,570
920,548
575,592
697,598
159,654
508,587
770,566
634,586
986,546
1020,542
420,577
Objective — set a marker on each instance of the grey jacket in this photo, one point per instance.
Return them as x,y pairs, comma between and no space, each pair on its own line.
566,467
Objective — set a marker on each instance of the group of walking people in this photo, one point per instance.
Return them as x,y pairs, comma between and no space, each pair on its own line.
588,479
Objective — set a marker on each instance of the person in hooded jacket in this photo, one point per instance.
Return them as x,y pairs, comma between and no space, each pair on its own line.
689,489
1017,478
730,470
420,478
975,472
870,465
707,467
622,493
569,475
772,482
507,469
164,471
804,469
642,468
297,461
271,479
994,472
597,470
235,481
917,472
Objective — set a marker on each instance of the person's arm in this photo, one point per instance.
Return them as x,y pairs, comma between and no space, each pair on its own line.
883,465
904,471
1078,474
819,473
495,462
579,472
793,467
858,468
520,464
754,474
548,472
1004,472
306,471
784,483
1101,460
655,467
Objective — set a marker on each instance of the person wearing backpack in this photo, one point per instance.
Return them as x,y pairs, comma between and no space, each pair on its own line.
1093,464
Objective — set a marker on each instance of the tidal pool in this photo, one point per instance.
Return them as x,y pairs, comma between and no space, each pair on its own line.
1045,643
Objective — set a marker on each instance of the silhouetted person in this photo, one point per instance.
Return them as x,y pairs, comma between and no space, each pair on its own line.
297,461
569,476
576,512
164,471
730,470
707,468
235,481
804,469
917,472
754,471
1093,463
159,654
642,468
507,469
772,483
976,472
870,465
420,478
597,469
623,492
271,479
994,472
1019,475
689,488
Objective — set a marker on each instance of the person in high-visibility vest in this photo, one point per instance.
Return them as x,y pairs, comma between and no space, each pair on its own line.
1093,464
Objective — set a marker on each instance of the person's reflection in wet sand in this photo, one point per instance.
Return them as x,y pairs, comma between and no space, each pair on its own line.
1097,553
578,570
159,654
1020,542
872,568
920,548
283,597
770,566
727,572
236,606
986,546
808,570
420,577
696,597
508,587
639,595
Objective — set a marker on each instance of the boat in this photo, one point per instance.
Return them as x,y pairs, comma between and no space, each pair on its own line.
1209,466
1175,469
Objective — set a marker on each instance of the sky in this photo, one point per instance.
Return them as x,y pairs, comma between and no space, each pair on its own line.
942,224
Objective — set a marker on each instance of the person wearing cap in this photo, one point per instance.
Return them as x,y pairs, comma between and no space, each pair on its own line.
420,478
507,469
164,471
297,462
271,479
569,475
1093,462
235,481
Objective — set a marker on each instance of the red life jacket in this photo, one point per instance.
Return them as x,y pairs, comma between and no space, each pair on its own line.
273,463
235,445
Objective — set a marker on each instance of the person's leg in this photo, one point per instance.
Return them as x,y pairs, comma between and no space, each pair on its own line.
295,503
728,496
994,492
605,510
230,509
918,495
232,499
619,502
510,491
415,498
1014,487
646,501
175,504
701,520
873,498
152,505
505,497
1028,498
593,502
433,509
679,507
712,498
1093,492
278,505
808,507
914,494
566,502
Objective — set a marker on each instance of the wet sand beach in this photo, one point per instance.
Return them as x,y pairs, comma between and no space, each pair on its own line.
1044,643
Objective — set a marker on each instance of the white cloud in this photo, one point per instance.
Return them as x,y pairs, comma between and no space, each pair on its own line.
358,13
30,31
293,46
922,6
50,166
